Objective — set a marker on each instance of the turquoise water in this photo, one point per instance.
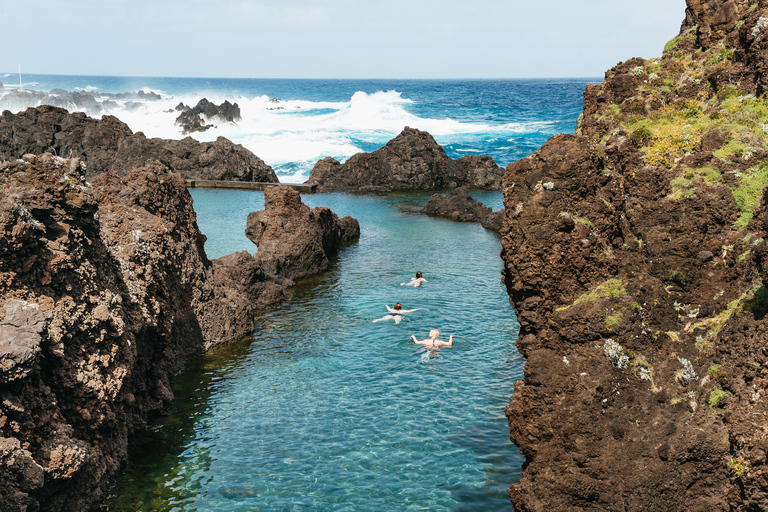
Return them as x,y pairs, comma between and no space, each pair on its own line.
325,410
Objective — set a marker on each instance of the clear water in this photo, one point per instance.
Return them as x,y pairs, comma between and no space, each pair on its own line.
325,410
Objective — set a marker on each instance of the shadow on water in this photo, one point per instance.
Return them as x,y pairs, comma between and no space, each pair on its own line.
155,452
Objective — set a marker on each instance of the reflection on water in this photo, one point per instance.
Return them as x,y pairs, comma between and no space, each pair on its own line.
323,409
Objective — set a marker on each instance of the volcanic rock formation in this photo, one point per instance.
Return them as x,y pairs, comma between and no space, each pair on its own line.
108,144
633,254
193,119
462,207
105,293
412,160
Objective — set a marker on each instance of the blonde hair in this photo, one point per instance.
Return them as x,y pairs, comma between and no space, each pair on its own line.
434,333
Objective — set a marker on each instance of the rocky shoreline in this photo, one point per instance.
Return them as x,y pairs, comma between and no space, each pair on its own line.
633,254
105,294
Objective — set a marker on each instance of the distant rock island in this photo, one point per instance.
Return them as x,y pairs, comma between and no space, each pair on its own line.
193,119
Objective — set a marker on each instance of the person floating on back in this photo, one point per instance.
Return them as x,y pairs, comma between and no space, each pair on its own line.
395,313
415,281
432,342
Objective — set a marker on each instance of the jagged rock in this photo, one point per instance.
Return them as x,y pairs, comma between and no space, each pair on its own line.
192,119
462,207
105,294
648,345
293,240
108,144
412,160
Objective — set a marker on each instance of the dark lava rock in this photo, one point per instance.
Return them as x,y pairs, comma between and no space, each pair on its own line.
105,294
193,119
462,207
108,144
293,240
412,160
645,381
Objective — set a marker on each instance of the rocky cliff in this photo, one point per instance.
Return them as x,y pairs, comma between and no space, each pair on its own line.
108,144
413,160
634,252
105,293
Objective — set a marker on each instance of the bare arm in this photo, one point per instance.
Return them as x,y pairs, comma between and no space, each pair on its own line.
409,310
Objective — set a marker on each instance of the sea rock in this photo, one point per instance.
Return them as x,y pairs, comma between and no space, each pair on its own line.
412,160
295,241
642,341
105,294
90,103
109,145
193,119
462,207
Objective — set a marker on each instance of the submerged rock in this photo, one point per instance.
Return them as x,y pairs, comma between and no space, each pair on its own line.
109,145
412,160
462,207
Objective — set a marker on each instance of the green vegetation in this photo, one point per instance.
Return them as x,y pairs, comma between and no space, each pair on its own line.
672,47
715,371
718,395
749,191
738,465
610,288
614,320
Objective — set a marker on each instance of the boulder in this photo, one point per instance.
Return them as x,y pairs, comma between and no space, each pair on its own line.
412,160
462,207
295,241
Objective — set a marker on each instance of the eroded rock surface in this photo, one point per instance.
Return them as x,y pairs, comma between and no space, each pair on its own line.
105,293
633,253
109,145
412,160
459,206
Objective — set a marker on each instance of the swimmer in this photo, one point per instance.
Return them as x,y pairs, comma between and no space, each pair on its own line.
415,281
395,313
433,342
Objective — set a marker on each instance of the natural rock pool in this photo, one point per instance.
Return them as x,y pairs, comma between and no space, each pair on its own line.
325,410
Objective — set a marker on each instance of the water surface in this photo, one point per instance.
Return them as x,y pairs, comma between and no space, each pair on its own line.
325,410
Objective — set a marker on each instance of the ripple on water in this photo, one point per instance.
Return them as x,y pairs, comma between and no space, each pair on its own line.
323,409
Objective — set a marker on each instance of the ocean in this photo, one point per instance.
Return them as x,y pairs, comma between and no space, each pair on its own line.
323,409
291,124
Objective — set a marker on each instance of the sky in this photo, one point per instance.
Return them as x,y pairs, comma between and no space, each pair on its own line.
333,38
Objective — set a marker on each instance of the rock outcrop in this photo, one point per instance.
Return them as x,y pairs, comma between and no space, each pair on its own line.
193,119
633,254
108,144
412,160
459,206
105,293
295,241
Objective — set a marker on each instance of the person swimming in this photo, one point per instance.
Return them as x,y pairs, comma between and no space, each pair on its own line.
432,342
415,281
395,313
